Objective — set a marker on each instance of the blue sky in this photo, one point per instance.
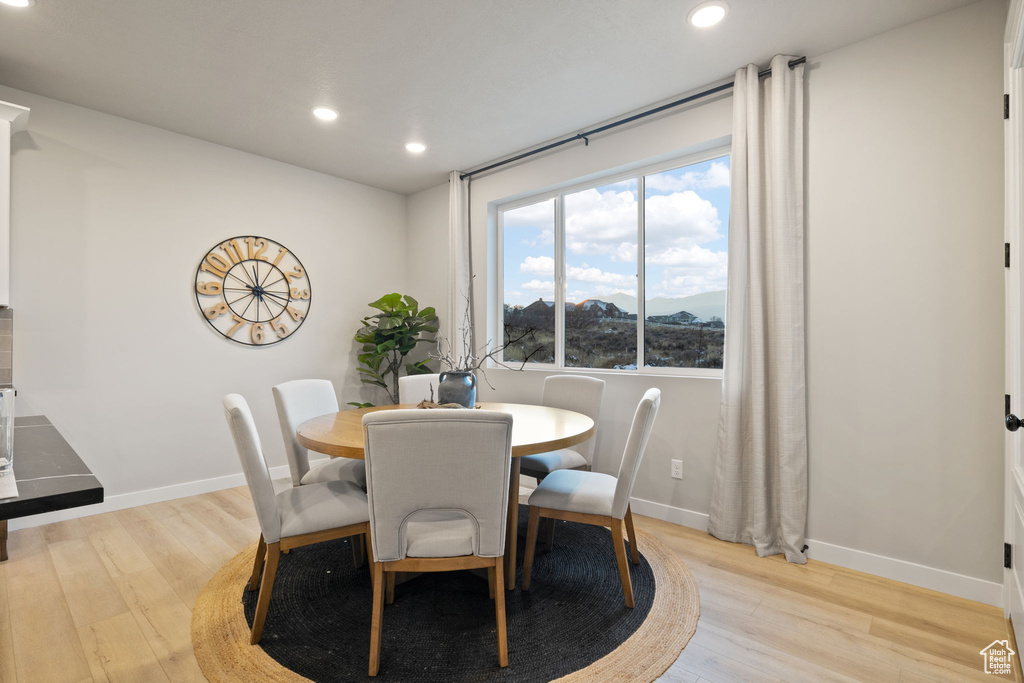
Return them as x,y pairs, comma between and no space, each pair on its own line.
686,231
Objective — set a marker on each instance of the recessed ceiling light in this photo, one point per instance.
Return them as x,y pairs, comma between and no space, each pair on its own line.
19,3
322,113
708,14
415,147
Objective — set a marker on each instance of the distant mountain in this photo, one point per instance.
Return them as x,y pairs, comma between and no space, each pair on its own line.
704,305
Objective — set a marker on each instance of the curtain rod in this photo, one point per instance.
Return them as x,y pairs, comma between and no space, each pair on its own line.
629,119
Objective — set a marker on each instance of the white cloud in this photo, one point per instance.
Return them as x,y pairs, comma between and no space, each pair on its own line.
691,257
680,220
540,287
716,176
540,215
605,223
598,222
691,271
596,275
538,265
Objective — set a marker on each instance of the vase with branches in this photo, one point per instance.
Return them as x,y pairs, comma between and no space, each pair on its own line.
458,382
388,337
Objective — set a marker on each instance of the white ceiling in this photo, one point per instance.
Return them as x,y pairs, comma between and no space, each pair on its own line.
473,79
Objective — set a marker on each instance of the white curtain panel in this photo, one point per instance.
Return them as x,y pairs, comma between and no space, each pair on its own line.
460,272
759,493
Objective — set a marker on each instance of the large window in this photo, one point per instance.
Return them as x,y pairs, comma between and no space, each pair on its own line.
620,274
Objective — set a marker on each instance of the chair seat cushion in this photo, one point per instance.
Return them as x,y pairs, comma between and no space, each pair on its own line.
440,533
591,493
546,463
320,506
338,469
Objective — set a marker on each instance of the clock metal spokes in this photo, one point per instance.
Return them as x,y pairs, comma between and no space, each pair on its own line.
261,292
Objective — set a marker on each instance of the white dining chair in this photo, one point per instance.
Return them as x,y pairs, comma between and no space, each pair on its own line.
424,520
301,400
569,392
596,498
297,516
416,388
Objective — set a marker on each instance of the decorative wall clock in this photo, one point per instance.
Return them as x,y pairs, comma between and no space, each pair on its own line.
253,290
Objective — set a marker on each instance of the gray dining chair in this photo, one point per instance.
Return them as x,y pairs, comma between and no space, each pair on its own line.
422,519
596,498
416,388
568,392
301,400
580,394
298,516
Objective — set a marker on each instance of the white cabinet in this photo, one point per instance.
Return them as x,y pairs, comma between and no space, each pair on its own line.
13,119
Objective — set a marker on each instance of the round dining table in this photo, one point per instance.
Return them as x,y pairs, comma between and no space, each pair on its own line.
535,429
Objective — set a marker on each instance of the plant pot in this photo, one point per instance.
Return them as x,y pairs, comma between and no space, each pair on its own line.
457,387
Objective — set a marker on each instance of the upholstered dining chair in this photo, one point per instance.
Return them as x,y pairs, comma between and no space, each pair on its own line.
424,520
569,392
596,498
416,388
301,400
297,516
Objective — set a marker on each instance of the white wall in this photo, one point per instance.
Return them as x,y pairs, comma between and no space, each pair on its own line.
904,304
427,248
110,220
905,293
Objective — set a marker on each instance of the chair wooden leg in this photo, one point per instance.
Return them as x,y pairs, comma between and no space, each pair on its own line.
357,550
547,533
531,543
370,559
634,551
377,616
390,578
620,557
499,612
257,565
512,525
266,588
490,582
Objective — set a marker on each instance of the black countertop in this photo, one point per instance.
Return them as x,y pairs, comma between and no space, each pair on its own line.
49,473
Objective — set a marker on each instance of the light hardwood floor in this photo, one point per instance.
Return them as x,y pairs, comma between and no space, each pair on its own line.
109,597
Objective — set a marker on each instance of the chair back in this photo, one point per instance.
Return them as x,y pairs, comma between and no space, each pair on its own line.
416,388
298,401
579,394
636,444
257,476
440,460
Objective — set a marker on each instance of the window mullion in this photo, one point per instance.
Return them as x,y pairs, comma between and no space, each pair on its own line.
640,280
559,282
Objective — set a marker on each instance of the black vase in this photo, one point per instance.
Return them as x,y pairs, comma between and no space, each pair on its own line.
457,387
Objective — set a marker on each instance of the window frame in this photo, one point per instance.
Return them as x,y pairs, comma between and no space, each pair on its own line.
557,195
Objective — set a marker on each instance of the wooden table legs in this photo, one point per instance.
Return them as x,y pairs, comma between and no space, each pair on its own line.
512,526
3,540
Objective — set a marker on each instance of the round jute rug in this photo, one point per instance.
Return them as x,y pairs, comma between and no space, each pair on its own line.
570,626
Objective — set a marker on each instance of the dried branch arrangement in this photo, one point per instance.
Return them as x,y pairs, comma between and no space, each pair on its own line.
468,359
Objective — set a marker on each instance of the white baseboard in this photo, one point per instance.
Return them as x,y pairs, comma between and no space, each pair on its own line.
919,575
136,498
668,513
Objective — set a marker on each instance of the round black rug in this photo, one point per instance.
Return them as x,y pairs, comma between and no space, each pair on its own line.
441,626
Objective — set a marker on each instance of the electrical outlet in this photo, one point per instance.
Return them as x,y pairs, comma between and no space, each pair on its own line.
677,469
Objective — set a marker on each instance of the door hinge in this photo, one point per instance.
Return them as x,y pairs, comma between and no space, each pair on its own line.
1006,255
1006,106
1008,556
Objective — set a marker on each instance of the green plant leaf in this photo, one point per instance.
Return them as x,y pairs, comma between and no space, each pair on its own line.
360,405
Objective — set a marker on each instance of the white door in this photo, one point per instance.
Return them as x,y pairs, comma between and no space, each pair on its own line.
1013,577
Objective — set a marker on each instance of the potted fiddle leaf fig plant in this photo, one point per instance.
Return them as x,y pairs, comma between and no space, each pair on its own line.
388,337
